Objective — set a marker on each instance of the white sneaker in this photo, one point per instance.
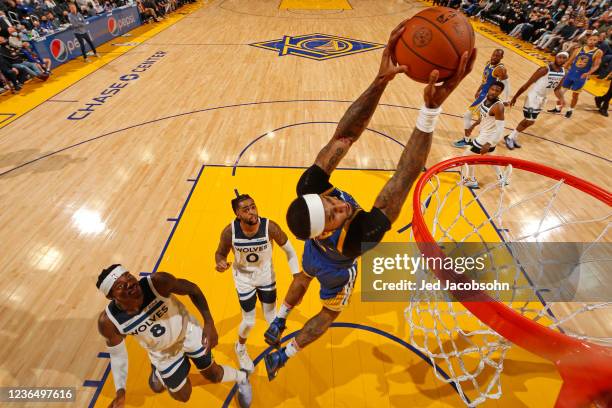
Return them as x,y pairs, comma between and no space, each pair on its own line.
243,358
244,396
470,183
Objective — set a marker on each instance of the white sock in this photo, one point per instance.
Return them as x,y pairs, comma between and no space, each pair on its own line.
269,311
498,171
284,311
514,134
240,346
292,349
570,109
230,374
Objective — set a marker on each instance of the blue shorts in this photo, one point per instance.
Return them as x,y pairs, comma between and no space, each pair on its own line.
335,296
574,82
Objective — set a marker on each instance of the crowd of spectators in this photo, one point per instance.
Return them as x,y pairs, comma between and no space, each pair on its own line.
24,21
550,26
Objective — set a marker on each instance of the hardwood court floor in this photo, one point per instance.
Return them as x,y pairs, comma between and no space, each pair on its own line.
78,195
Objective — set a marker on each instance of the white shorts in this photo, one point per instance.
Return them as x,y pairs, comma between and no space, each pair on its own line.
491,138
172,364
533,106
247,284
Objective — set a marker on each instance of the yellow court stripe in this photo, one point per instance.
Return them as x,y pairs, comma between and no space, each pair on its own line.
593,86
35,93
315,5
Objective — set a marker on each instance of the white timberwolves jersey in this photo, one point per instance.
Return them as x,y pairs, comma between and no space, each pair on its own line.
160,323
254,254
547,83
488,130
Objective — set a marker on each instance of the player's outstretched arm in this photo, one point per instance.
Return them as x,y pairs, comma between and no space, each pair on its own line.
413,158
358,115
540,72
166,285
595,66
279,236
223,250
118,357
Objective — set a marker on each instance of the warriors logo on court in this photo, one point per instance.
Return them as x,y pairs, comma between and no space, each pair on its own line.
317,46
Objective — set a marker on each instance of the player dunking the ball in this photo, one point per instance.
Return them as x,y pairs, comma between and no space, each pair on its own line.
147,309
544,80
494,71
337,230
250,237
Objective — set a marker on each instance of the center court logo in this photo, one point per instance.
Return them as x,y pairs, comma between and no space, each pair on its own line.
317,46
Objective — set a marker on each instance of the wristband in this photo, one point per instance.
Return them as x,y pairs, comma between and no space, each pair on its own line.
427,119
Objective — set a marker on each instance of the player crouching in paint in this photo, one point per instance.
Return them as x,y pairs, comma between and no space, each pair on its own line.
583,62
250,237
546,79
336,229
491,120
148,310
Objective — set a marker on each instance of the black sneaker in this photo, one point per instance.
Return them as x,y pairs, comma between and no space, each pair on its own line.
598,101
568,114
554,110
603,112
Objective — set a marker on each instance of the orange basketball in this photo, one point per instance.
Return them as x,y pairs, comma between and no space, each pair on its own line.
434,38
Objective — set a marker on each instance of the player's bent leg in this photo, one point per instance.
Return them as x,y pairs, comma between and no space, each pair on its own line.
312,330
267,297
182,394
295,293
247,323
155,381
221,373
467,123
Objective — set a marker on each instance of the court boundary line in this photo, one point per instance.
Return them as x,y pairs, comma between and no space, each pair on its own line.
173,116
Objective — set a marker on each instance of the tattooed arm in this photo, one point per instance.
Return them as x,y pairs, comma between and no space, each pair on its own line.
413,158
358,115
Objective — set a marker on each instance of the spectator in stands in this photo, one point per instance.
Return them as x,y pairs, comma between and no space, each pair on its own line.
24,68
45,25
44,64
145,11
53,22
64,20
605,45
546,38
80,31
14,40
5,23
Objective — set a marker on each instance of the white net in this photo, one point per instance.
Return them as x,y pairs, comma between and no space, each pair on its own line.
513,219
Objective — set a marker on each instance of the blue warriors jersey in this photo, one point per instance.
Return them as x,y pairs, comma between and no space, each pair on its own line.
583,62
487,80
323,258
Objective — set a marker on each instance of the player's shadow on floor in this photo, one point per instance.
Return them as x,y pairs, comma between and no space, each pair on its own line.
51,163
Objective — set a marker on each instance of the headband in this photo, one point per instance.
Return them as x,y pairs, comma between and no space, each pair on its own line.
563,53
109,281
316,213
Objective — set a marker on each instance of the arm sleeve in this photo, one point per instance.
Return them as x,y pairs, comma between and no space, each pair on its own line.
292,258
499,128
119,364
314,181
365,232
506,83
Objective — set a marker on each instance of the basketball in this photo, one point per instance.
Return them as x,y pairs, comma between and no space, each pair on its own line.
434,38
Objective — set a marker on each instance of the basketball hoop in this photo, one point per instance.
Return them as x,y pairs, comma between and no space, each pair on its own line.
441,329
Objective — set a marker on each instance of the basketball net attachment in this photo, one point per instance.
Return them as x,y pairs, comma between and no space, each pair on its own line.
466,337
